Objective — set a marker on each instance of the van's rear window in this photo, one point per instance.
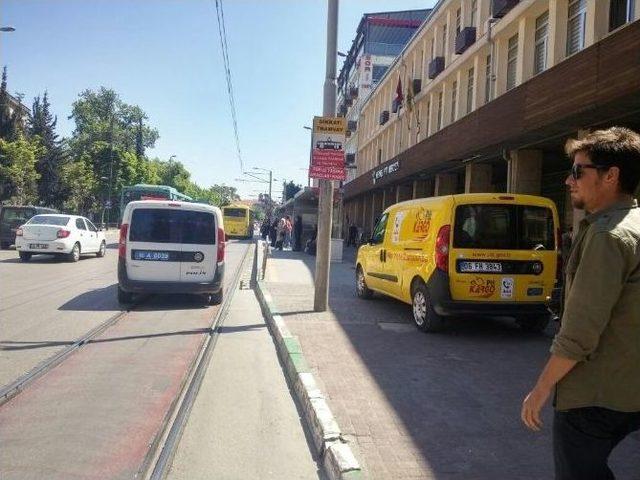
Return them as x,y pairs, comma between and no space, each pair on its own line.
158,225
17,214
235,212
504,227
58,220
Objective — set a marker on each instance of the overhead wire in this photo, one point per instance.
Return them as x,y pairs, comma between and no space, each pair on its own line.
224,47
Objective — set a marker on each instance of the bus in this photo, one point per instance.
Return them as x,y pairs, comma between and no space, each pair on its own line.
143,191
238,221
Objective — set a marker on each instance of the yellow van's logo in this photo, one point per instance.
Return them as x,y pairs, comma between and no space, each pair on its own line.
422,223
482,288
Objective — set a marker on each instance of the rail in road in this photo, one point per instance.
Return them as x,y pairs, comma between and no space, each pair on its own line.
113,404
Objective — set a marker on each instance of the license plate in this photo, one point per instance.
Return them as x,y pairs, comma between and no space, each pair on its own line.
489,267
153,256
41,246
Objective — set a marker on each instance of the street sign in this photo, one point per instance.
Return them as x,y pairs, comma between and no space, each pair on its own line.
327,148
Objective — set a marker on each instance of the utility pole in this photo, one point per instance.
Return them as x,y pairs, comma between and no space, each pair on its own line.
325,202
111,169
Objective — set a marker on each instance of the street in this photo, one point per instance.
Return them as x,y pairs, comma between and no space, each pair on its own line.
101,412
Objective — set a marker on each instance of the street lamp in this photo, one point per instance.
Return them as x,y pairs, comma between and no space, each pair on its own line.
104,204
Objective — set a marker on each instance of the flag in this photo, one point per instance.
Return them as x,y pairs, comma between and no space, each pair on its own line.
410,96
399,96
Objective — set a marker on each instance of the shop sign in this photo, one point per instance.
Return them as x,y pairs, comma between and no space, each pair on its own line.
380,173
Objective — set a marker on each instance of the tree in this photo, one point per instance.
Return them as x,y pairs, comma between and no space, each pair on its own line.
42,126
78,186
10,119
290,189
227,194
19,167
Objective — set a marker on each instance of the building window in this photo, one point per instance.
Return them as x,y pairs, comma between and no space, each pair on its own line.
454,101
487,81
377,72
474,12
458,21
470,80
427,122
576,26
540,52
620,12
512,61
439,117
444,41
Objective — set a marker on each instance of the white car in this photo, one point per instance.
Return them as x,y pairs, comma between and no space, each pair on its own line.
58,234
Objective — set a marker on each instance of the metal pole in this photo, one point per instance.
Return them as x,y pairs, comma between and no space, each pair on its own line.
325,202
270,182
110,171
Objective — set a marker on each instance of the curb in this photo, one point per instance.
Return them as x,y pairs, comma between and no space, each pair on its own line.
337,457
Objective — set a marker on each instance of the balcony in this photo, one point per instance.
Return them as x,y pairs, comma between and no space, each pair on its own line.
384,117
435,67
465,39
353,92
350,159
500,8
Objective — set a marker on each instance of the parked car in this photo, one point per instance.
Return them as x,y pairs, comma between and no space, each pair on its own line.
171,247
468,254
58,234
12,216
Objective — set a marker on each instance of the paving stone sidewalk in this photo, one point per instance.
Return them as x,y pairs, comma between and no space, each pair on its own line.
416,406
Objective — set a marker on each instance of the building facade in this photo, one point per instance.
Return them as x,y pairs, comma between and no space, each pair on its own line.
380,37
489,91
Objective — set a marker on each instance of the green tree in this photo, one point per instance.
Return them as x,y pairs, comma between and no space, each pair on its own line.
42,126
10,120
78,186
290,189
19,167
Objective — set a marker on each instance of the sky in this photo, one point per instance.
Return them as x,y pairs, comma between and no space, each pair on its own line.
164,55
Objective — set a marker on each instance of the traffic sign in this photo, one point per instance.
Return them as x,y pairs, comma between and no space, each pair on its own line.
327,148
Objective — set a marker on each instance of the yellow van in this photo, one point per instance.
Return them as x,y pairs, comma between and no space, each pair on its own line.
238,221
478,254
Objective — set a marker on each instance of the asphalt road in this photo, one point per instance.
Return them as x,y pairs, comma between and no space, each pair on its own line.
98,413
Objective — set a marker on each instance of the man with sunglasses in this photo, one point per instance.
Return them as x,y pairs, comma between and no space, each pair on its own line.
595,357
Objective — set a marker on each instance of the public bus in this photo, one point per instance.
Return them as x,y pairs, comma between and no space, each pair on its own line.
143,191
238,221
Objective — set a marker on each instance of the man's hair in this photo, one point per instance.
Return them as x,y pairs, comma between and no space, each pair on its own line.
614,147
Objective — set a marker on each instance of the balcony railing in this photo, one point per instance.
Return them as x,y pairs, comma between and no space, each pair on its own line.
435,67
465,39
500,8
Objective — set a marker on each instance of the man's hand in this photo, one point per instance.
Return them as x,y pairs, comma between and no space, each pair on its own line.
532,405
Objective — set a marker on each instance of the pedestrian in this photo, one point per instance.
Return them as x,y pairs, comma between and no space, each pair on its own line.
595,357
264,228
280,233
273,232
353,234
288,229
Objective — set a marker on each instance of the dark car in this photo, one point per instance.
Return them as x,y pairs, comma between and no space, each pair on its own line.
12,216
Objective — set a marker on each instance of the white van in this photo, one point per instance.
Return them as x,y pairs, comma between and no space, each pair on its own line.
171,247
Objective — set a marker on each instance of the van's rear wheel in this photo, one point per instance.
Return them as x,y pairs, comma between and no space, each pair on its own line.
361,285
24,256
533,323
124,297
215,298
424,316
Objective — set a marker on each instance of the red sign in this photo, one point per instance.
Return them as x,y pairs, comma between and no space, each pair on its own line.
327,173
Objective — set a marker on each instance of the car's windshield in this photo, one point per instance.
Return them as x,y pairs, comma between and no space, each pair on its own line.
59,220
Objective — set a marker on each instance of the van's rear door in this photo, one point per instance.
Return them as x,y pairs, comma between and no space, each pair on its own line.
154,250
504,252
199,249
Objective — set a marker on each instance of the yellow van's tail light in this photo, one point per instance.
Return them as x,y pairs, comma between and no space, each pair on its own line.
442,248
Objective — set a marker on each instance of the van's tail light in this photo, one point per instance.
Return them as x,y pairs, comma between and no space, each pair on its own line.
442,248
122,242
62,233
221,244
19,232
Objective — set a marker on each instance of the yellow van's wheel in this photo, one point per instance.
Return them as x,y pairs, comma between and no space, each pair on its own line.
424,316
533,323
361,285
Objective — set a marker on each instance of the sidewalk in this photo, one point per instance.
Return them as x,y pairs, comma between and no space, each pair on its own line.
416,406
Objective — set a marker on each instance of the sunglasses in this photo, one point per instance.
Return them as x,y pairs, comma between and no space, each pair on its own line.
577,169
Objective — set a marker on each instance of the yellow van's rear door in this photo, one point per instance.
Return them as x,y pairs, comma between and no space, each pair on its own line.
503,252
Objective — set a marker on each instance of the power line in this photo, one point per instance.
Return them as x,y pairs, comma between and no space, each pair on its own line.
227,71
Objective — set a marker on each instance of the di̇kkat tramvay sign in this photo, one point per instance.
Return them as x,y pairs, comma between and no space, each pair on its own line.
327,148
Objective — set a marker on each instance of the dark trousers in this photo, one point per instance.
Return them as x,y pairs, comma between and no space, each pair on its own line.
583,439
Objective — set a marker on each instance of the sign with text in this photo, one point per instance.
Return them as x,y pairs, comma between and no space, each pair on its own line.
327,148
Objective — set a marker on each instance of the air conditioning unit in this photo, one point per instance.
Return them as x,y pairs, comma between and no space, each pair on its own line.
350,158
384,117
353,92
499,8
342,111
417,86
435,67
352,125
465,39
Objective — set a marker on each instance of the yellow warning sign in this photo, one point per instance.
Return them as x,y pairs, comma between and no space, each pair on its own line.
329,125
